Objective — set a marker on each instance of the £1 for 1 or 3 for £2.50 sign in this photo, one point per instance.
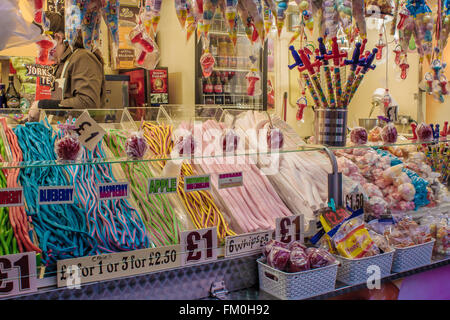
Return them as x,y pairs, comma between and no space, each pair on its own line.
17,274
198,246
289,229
89,131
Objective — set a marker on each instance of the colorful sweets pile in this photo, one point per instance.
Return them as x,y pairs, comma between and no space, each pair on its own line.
18,218
200,205
8,243
61,229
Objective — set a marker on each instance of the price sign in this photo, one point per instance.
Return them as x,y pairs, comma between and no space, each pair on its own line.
197,183
77,271
17,274
89,131
198,246
230,180
354,201
289,229
331,219
246,243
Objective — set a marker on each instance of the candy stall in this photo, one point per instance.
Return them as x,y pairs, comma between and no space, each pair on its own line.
302,151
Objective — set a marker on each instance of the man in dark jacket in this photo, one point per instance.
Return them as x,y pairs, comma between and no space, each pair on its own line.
78,74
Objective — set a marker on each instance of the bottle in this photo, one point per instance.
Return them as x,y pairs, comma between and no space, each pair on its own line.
207,86
2,96
214,46
12,95
232,62
218,90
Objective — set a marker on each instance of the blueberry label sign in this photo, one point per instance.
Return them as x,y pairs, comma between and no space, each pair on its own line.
90,133
110,191
115,265
289,229
197,183
162,185
230,180
17,274
11,197
198,246
55,195
246,243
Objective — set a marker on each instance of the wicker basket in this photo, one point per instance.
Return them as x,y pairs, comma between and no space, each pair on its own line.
355,271
331,127
298,285
412,257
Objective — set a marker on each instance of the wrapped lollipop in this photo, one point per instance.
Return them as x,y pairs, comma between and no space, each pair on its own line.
389,133
136,145
257,18
358,136
424,132
146,50
111,16
90,23
68,147
209,9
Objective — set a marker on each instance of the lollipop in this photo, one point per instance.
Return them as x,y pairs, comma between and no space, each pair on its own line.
207,62
181,9
38,5
424,132
44,49
136,145
389,133
281,14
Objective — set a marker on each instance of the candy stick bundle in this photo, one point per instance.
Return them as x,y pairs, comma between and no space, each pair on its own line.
359,66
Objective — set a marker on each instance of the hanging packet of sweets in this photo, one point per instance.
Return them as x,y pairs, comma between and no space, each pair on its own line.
353,241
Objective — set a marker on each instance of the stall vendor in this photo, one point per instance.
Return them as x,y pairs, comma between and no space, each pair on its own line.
78,74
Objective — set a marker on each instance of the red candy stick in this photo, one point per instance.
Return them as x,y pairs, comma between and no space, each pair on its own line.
413,127
444,130
403,15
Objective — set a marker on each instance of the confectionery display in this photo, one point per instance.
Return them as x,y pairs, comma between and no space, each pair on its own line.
243,172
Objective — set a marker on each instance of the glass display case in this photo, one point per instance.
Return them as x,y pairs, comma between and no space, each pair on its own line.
158,174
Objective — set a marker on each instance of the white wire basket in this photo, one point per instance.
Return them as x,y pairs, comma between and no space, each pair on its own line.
412,257
298,285
357,271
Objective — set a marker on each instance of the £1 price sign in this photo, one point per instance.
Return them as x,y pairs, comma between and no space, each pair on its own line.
288,229
17,274
198,246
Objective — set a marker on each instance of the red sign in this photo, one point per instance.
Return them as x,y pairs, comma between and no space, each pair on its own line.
11,197
334,218
159,86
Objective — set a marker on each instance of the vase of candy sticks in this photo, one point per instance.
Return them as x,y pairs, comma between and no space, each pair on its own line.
330,106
